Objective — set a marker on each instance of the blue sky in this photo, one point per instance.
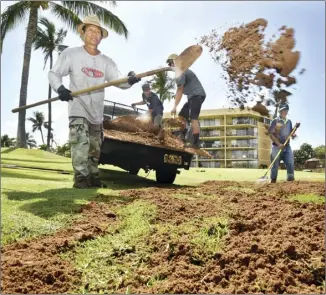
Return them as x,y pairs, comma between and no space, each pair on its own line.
160,28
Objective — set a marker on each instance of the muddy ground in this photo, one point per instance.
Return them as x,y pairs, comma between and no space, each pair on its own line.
273,245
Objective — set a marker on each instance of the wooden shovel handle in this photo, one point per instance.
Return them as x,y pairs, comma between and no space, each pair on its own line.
90,89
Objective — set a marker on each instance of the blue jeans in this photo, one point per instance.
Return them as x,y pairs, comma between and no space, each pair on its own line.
287,156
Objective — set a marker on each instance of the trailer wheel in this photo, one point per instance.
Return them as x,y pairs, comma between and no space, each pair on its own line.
134,171
166,175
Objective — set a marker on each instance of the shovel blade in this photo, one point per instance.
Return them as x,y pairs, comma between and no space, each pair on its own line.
187,58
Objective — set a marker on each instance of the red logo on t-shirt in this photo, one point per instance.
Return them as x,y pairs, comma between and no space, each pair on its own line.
92,73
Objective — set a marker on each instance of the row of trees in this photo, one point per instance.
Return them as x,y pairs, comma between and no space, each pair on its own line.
306,152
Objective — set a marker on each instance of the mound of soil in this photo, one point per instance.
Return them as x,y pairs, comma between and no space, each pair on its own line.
131,129
35,266
273,246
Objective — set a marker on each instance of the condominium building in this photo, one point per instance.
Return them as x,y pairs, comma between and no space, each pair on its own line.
235,139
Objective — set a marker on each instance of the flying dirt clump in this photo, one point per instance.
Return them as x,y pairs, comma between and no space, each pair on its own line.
251,65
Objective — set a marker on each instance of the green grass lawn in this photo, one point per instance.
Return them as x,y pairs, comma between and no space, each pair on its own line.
36,202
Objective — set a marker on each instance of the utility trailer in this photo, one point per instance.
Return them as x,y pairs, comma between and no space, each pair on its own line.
132,156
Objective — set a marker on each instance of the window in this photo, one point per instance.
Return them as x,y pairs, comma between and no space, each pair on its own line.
243,155
244,164
267,121
244,120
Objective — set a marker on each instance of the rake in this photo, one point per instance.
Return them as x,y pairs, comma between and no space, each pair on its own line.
264,179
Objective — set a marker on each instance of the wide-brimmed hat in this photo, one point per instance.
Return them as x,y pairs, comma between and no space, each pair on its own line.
92,20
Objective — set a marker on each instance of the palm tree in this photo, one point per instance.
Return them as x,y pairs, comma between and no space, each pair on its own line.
7,141
49,40
162,84
48,128
66,11
38,123
31,142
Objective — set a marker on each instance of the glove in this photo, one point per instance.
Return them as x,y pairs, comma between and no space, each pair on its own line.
133,105
132,78
64,94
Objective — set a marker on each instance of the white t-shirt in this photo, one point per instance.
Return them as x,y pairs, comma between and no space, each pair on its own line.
85,70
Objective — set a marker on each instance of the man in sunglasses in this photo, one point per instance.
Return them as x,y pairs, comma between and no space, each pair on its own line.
188,84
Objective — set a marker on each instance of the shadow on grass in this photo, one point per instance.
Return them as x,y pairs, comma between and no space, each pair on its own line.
46,161
32,174
121,180
63,200
8,150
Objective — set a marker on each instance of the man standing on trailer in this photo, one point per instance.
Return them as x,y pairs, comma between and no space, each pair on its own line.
188,84
86,66
154,104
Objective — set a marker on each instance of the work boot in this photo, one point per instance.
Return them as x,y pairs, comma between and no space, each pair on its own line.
196,143
96,182
81,182
273,180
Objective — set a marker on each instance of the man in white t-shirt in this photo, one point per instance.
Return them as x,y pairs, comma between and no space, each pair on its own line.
86,67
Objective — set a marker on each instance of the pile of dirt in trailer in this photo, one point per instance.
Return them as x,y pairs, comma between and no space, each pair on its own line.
250,64
35,266
274,245
133,129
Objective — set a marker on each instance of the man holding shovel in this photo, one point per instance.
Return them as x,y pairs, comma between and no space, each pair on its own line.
279,130
86,67
155,106
188,84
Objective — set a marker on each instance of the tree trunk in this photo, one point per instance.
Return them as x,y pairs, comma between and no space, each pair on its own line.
49,110
42,135
31,31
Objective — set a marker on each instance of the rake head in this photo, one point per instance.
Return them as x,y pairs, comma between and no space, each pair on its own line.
262,180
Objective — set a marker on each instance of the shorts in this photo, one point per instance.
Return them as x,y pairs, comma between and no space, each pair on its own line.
157,116
191,109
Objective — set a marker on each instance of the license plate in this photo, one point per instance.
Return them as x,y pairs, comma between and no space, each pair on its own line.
172,159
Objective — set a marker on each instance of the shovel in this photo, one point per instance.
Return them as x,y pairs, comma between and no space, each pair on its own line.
182,63
264,179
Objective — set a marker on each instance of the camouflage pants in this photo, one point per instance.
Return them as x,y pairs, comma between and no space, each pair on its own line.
85,140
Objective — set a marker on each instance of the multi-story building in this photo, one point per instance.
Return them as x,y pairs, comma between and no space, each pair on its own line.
235,139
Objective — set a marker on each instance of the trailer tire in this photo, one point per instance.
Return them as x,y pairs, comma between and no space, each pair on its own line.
134,171
166,175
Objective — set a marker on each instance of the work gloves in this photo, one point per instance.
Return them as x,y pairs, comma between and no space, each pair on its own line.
132,78
64,94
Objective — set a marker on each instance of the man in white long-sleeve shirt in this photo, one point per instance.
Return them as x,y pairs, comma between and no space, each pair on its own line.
86,67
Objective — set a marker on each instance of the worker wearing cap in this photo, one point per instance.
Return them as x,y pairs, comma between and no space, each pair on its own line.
153,103
86,67
188,84
279,131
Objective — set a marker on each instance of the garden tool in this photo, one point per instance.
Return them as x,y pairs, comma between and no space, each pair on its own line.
182,63
264,179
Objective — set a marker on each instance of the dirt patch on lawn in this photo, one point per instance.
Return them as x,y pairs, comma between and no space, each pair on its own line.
273,246
269,244
35,266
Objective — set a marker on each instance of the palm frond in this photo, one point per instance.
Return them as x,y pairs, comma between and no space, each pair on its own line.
12,16
67,16
107,17
61,48
46,57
